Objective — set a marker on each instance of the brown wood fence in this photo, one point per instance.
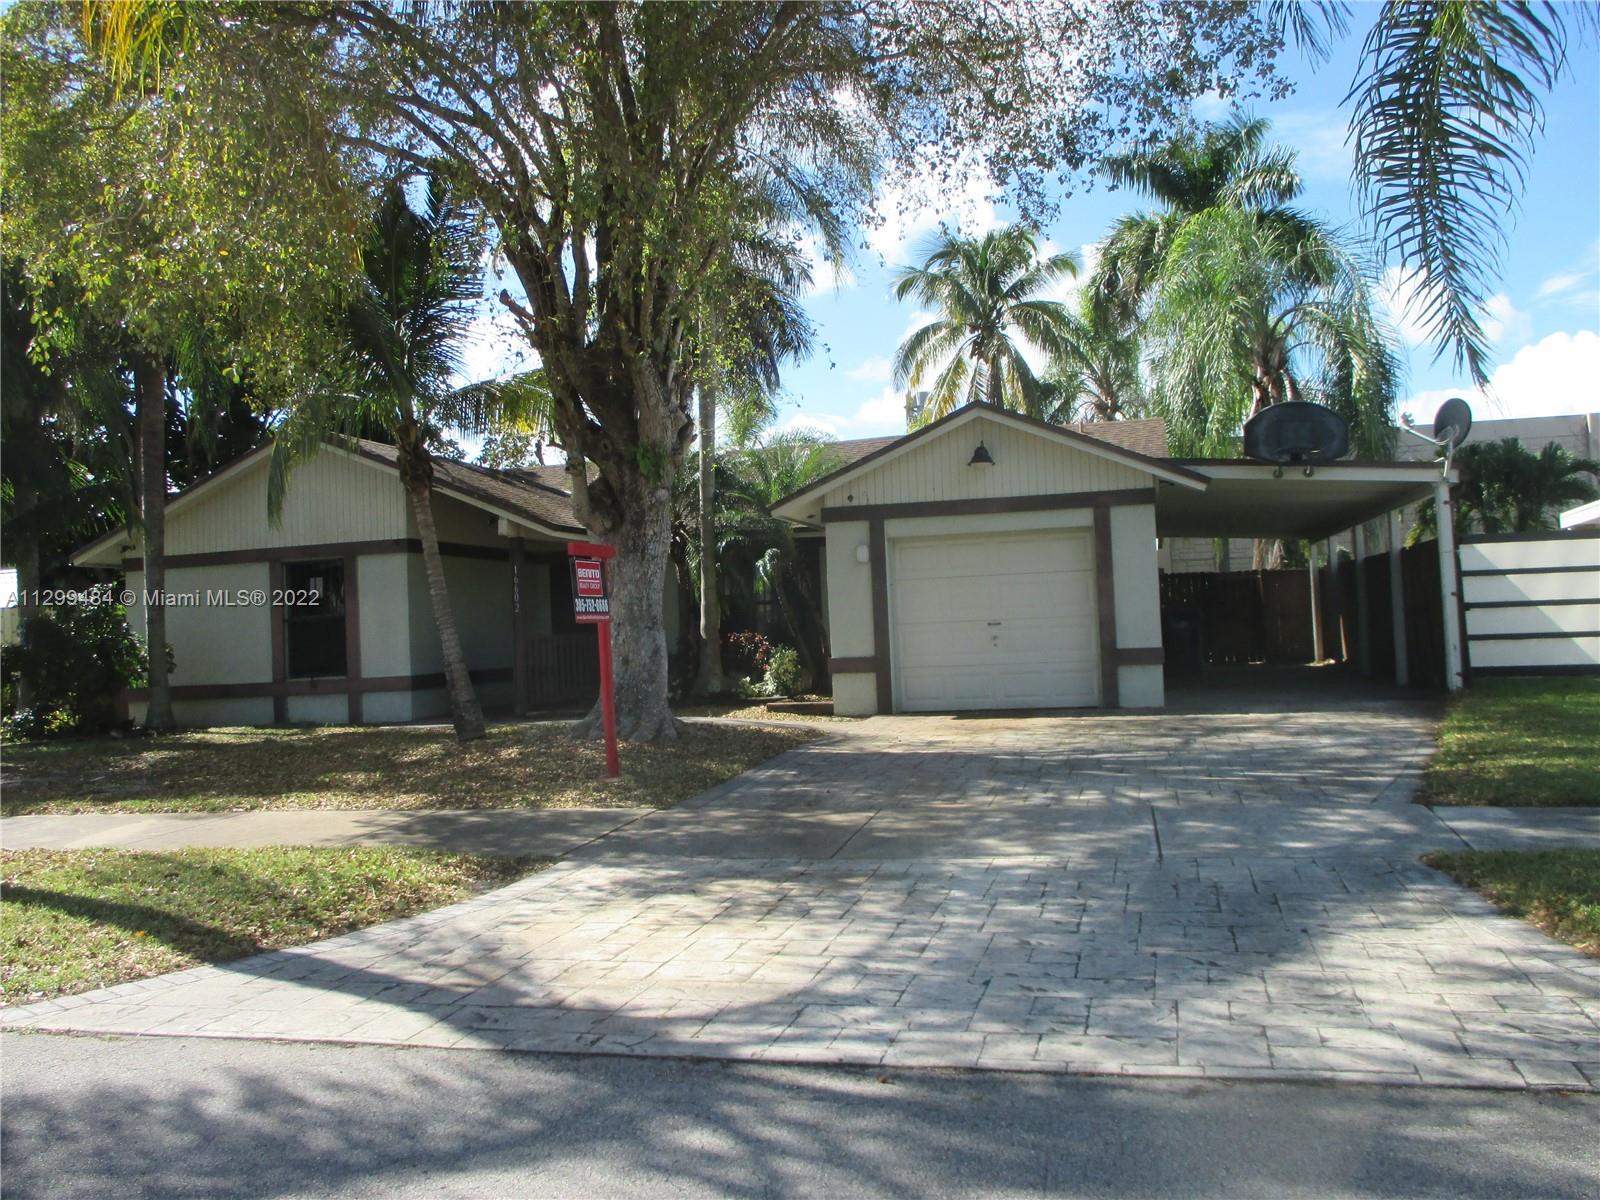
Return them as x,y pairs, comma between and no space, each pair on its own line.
1419,571
563,670
1224,617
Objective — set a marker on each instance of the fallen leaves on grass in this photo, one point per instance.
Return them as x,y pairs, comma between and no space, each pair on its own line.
356,767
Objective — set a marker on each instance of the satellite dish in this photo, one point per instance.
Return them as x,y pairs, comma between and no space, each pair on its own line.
1452,423
1296,432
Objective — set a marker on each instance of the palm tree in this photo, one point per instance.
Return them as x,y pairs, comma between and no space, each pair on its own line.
986,292
759,547
1224,166
402,331
1507,488
1446,111
1094,374
753,324
1238,322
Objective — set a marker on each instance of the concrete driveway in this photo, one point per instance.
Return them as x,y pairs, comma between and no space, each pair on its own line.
1230,889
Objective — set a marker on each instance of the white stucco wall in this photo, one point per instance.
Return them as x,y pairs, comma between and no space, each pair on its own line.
1138,592
1134,572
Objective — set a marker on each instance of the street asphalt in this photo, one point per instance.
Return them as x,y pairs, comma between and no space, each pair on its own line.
136,1117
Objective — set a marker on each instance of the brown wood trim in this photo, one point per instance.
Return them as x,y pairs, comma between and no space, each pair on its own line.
280,657
331,686
1140,656
270,554
352,632
1106,599
866,664
1048,502
878,556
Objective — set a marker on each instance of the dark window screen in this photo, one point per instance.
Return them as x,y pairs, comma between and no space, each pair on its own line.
313,618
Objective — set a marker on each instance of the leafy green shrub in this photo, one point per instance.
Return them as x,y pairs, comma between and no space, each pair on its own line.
745,653
783,672
73,659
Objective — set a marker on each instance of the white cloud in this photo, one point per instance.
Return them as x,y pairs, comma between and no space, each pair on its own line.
817,424
1504,324
1557,375
827,275
876,369
882,414
494,346
1557,284
912,203
1403,293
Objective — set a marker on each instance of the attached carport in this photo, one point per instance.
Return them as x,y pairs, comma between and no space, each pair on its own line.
1246,499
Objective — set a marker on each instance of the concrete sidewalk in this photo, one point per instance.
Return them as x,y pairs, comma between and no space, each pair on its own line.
547,832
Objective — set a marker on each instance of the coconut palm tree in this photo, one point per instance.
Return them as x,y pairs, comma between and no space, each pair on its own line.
1094,374
402,332
987,293
1239,321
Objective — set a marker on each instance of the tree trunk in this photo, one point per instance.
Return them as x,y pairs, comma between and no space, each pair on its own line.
637,576
708,680
464,710
150,414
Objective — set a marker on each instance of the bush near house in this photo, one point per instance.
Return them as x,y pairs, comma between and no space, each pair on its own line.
1519,742
78,919
74,660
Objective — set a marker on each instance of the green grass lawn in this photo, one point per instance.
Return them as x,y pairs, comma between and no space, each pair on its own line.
356,767
71,920
1557,890
1519,742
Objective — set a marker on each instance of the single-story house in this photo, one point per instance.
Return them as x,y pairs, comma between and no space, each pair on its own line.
984,561
989,560
368,649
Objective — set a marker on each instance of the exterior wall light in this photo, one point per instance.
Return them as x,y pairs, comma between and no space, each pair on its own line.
861,553
981,457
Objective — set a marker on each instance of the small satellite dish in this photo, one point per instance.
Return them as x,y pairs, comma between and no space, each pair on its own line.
1452,423
1296,432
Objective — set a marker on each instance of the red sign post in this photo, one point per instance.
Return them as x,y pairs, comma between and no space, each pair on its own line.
591,605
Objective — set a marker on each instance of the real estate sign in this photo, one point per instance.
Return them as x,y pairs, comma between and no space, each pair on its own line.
591,601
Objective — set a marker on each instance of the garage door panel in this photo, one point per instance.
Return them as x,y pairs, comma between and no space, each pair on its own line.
995,622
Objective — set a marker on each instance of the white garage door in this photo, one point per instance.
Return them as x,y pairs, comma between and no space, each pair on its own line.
995,622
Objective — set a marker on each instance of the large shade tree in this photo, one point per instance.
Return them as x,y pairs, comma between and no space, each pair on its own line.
182,220
990,299
603,141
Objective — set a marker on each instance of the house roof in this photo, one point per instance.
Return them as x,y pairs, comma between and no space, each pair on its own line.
1140,444
523,495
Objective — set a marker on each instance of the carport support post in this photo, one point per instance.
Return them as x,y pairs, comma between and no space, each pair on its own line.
1316,607
1397,603
1358,539
1448,588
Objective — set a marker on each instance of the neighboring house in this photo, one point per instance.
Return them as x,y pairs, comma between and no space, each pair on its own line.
989,560
368,649
1579,434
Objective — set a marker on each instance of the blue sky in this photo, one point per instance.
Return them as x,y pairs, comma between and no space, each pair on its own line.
1544,318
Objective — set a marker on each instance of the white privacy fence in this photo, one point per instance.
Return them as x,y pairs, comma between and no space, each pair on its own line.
1532,602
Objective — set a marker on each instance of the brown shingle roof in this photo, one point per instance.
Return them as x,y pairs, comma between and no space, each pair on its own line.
522,494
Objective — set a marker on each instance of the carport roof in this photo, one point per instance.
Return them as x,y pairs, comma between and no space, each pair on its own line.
1247,499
